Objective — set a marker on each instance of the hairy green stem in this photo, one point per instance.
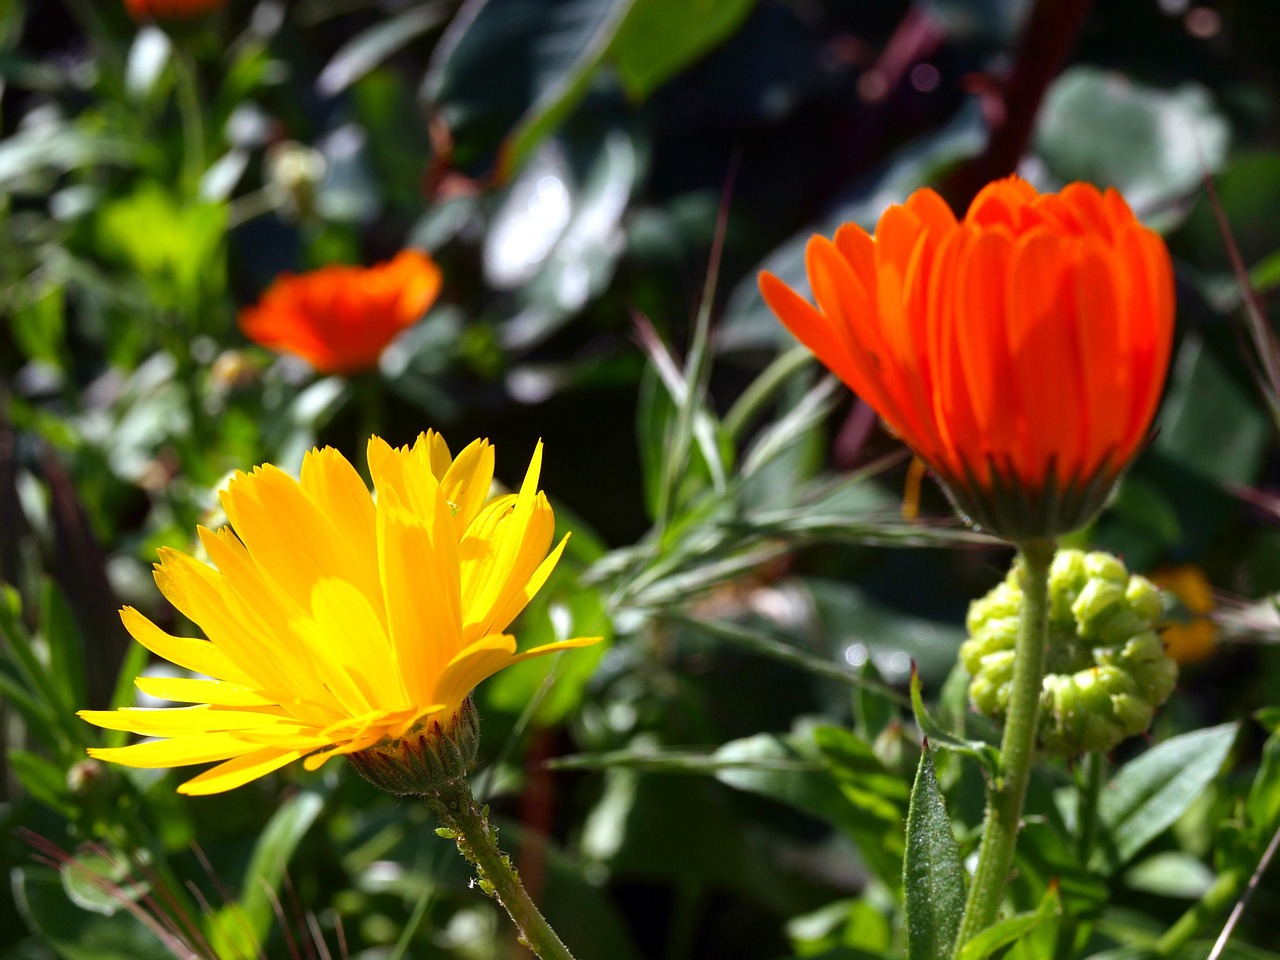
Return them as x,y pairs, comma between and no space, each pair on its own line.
1008,789
477,840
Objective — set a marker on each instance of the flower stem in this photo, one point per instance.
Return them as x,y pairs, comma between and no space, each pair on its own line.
478,841
1008,790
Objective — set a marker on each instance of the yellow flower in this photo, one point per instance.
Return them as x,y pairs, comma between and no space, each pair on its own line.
336,620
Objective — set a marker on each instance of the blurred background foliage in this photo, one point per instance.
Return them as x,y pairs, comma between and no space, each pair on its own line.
600,181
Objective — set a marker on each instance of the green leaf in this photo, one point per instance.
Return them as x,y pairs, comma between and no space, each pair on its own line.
984,753
42,697
1262,806
1100,126
174,244
43,780
932,873
876,800
77,934
101,883
873,711
66,647
1002,934
1170,874
1269,717
1045,857
659,38
1148,794
243,926
513,70
369,48
38,321
1202,398
59,150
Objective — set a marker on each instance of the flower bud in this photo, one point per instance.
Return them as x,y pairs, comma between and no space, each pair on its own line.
1107,671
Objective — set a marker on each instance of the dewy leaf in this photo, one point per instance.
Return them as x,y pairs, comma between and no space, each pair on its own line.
1151,792
1000,935
660,37
932,873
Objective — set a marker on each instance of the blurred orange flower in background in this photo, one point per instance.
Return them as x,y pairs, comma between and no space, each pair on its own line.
340,318
1191,635
1020,352
171,9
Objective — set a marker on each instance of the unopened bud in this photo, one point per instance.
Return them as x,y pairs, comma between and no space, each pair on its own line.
1107,671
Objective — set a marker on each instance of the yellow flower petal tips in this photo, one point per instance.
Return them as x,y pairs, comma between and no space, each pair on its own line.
338,621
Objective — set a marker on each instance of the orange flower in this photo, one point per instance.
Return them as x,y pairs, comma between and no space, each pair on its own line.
170,9
1020,352
339,319
1190,635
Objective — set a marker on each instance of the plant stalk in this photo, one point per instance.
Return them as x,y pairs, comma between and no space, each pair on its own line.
1008,790
477,840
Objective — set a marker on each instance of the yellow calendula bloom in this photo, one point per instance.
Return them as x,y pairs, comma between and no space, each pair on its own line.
337,620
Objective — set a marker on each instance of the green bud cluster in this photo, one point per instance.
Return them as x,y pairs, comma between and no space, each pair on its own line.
1107,670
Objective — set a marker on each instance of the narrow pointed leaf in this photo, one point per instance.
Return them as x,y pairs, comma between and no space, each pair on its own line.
932,875
1148,794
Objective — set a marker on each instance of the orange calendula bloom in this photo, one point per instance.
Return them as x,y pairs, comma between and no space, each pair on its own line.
171,9
336,621
339,318
1192,635
1021,351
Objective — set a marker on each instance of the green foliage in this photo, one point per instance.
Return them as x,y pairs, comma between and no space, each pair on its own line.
1148,794
730,772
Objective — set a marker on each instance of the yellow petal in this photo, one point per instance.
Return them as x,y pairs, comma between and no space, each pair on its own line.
197,748
198,655
336,488
358,658
523,590
287,533
418,557
432,448
176,721
486,657
466,483
218,693
239,771
481,659
495,572
250,630
318,760
572,643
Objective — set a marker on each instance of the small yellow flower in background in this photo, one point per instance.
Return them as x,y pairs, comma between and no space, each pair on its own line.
1195,638
336,621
